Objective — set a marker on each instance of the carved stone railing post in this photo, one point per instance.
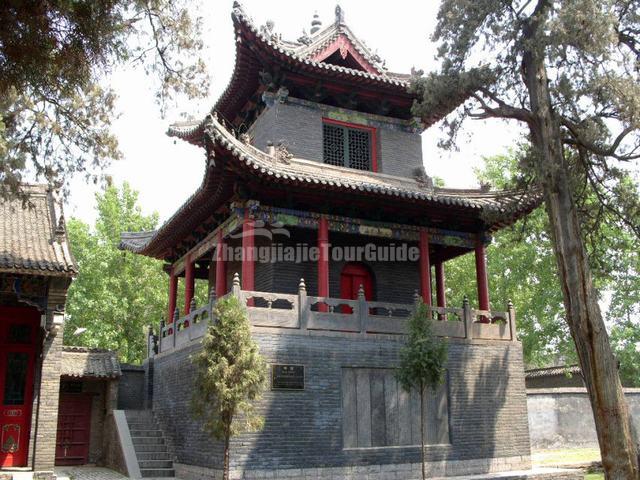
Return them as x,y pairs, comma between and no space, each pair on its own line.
235,288
512,321
303,307
363,310
192,305
161,334
468,318
174,330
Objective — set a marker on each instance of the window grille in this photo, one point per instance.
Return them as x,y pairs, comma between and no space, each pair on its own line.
347,147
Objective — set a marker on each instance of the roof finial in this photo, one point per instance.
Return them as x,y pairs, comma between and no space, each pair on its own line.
339,15
316,23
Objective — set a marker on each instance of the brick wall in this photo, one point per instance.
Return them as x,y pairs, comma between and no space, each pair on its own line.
44,424
299,125
563,418
393,281
303,429
131,387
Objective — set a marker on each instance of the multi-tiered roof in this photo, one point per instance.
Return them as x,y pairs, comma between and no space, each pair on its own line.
333,67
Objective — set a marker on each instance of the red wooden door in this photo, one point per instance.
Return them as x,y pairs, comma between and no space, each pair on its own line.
353,275
18,340
74,424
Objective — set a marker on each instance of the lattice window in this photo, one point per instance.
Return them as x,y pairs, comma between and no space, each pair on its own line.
359,149
347,147
333,145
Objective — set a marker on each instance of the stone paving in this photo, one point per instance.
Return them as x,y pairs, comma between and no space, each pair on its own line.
98,473
87,473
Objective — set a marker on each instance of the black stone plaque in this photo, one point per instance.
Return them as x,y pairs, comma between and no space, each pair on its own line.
287,377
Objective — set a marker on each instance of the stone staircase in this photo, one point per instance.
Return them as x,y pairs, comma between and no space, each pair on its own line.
153,456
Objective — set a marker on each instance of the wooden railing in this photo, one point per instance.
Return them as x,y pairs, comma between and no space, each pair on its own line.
308,314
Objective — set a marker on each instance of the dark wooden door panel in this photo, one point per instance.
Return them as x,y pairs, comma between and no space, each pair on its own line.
74,425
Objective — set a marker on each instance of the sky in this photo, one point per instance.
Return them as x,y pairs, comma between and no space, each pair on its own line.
166,171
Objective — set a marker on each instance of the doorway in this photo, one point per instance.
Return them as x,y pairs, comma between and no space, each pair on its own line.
74,429
18,340
352,276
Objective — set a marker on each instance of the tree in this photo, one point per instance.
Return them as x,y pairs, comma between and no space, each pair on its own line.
230,375
568,71
55,113
117,293
522,266
422,362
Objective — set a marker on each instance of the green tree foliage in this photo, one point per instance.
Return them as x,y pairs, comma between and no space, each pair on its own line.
117,293
522,268
568,71
55,113
230,375
422,362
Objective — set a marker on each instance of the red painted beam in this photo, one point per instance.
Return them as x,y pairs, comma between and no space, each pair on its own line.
425,268
323,257
221,267
189,284
173,294
481,277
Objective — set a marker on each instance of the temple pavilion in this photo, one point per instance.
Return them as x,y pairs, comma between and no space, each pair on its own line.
313,155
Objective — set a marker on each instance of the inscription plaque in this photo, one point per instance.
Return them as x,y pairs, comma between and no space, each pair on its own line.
287,377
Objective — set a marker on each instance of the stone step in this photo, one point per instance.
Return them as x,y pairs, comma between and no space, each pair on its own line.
143,416
157,472
141,425
153,456
150,448
151,432
154,464
147,441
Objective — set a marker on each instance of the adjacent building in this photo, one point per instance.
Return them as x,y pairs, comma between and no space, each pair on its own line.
55,401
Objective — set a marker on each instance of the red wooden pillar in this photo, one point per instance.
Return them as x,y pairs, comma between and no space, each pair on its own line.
189,283
425,268
221,267
441,295
173,295
248,244
481,276
323,258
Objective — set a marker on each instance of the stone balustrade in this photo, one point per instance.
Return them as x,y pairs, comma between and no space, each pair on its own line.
308,314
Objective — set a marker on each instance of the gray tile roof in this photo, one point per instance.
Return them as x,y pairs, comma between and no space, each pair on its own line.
502,207
89,362
553,371
33,237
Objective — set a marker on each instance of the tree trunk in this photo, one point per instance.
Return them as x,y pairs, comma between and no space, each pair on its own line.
599,367
424,474
225,466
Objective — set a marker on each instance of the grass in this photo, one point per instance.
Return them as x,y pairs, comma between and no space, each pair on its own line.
594,476
565,456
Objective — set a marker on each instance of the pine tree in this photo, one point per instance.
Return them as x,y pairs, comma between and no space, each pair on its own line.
230,376
422,362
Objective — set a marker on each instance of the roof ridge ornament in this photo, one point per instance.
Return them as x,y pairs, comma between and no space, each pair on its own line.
339,15
316,23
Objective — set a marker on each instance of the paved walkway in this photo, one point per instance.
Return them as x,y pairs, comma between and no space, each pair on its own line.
87,473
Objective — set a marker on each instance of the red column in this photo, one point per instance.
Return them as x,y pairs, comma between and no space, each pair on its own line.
173,294
441,295
425,268
189,281
481,276
248,244
323,257
221,267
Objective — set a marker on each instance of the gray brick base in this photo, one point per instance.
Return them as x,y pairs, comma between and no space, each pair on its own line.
303,429
406,471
